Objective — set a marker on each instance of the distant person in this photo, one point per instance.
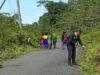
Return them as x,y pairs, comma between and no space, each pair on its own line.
62,39
45,41
41,41
53,40
29,41
73,39
65,41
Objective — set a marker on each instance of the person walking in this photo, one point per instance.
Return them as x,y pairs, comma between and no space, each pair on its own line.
73,39
45,41
63,39
53,41
29,41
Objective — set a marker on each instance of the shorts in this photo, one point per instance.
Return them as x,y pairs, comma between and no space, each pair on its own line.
64,43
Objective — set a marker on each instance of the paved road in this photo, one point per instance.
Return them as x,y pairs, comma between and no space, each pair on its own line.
47,62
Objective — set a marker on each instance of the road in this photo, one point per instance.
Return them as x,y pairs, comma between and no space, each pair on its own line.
46,62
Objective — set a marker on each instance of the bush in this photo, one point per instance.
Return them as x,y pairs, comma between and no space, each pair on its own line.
90,61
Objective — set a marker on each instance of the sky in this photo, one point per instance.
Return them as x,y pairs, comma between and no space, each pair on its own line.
30,13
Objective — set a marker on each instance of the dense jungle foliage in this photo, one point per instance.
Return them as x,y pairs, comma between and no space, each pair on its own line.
69,17
13,41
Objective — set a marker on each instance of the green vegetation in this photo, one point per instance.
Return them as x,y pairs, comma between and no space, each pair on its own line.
69,17
90,61
13,41
74,15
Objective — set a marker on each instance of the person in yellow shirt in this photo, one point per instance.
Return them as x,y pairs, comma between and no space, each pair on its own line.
45,41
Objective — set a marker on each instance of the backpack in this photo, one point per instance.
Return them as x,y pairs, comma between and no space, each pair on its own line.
66,38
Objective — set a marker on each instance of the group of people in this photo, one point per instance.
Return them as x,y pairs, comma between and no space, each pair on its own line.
45,43
70,41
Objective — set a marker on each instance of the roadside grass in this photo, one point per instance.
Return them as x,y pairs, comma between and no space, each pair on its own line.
15,50
90,61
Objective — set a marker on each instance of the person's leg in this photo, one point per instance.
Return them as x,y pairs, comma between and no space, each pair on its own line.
63,45
30,43
54,44
46,45
41,45
69,54
73,55
50,44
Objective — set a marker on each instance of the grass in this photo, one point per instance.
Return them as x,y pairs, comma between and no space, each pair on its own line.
90,61
15,50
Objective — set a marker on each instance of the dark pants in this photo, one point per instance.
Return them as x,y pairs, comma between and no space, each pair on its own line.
71,54
30,43
45,45
54,44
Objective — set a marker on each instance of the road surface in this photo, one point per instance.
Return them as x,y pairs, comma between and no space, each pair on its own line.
46,62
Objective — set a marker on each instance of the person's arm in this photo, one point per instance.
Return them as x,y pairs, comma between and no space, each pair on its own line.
80,42
56,39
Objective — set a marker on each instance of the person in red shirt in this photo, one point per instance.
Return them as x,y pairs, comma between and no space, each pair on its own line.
41,41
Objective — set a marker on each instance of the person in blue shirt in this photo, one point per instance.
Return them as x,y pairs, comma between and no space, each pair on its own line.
73,40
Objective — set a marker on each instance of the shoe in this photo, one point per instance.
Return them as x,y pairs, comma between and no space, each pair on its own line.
74,63
70,65
50,48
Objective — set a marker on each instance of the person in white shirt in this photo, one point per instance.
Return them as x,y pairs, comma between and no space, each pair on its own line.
29,41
